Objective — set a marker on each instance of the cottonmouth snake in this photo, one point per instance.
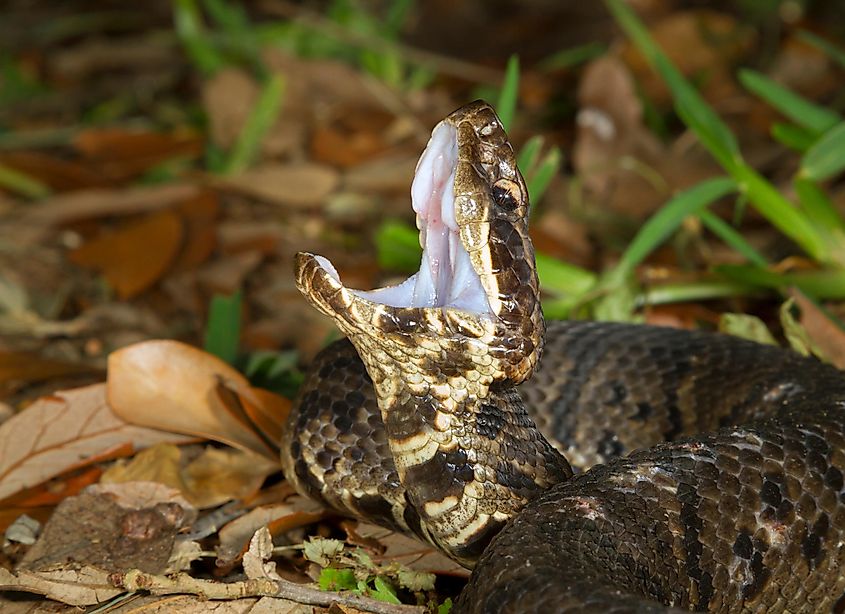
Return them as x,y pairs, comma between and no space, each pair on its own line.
430,435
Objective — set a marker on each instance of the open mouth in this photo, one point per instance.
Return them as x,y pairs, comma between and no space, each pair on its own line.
446,277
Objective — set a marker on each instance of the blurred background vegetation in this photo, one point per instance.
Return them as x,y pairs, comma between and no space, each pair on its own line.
161,163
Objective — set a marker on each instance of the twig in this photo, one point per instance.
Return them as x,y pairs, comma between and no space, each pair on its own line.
136,580
441,63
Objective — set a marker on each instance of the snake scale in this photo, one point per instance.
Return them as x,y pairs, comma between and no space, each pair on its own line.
704,472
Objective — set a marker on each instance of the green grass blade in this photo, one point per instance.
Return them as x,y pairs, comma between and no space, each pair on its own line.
708,127
259,122
793,136
817,204
667,220
696,291
21,183
506,106
562,278
731,237
721,143
198,45
542,176
825,284
781,213
530,153
223,329
798,109
835,52
827,157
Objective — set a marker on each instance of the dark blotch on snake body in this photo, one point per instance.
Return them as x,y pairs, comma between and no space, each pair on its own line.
489,421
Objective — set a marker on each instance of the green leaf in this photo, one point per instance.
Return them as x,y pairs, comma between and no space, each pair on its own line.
798,338
530,152
223,329
384,591
398,247
259,122
824,284
781,213
540,177
794,137
731,237
827,157
506,106
747,327
332,579
445,607
667,220
20,183
619,304
695,113
563,278
798,109
322,550
191,33
416,580
696,291
818,205
270,364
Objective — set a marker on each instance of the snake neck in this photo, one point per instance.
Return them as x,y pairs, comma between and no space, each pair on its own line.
466,451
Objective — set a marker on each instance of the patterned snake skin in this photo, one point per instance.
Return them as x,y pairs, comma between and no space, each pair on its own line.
429,433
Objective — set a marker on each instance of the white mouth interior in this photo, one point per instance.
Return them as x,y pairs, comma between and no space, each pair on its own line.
446,277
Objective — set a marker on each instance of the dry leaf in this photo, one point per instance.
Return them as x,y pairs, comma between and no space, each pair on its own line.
185,552
696,41
409,552
235,536
87,204
16,603
139,495
211,479
821,330
289,185
63,432
137,256
171,386
74,586
92,529
200,216
226,275
229,97
26,367
257,562
391,174
122,154
270,414
610,132
195,604
220,475
355,136
57,173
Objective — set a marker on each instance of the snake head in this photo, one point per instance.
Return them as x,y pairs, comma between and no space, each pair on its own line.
475,296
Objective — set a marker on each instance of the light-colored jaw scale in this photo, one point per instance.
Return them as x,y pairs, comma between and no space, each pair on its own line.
436,344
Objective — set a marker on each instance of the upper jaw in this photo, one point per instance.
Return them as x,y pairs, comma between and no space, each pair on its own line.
447,278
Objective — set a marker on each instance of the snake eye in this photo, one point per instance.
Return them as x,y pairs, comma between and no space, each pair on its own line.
506,194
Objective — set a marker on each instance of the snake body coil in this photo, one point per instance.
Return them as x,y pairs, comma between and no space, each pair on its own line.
426,432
